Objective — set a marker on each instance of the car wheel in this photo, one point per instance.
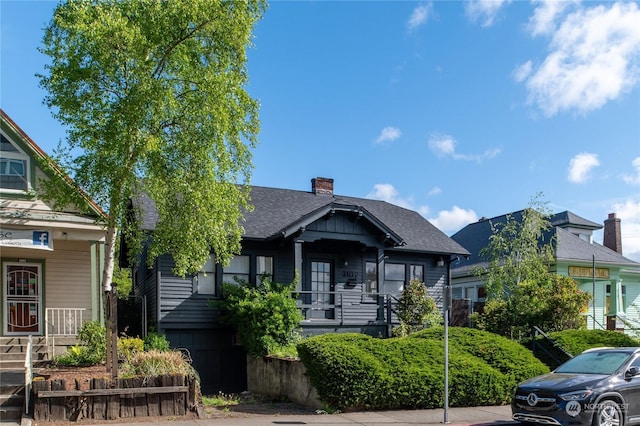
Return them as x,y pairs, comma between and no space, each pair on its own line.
608,414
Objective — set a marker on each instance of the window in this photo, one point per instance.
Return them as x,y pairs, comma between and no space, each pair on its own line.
237,271
623,298
264,268
13,167
394,274
416,273
206,279
371,277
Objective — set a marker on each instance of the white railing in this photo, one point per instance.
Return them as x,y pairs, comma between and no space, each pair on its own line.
61,322
28,374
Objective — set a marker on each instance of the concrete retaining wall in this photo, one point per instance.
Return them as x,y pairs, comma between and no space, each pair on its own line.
281,378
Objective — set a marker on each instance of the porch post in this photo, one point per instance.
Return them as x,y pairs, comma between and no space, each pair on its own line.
297,261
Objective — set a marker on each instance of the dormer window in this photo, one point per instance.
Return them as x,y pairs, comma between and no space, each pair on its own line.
14,167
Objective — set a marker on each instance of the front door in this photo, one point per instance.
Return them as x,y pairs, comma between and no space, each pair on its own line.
22,288
321,297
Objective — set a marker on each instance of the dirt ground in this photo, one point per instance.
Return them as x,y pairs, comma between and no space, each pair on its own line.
249,405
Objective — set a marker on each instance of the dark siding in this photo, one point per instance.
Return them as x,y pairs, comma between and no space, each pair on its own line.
178,303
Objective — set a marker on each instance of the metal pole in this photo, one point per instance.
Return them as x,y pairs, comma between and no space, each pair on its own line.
593,283
447,307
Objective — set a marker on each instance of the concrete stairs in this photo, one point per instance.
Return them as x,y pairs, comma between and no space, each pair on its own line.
12,373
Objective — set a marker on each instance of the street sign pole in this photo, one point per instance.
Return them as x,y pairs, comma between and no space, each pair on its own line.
447,308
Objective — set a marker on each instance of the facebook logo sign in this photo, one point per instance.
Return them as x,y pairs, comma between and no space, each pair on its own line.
40,238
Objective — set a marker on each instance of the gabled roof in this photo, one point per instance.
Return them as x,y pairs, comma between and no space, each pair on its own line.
279,212
475,236
33,150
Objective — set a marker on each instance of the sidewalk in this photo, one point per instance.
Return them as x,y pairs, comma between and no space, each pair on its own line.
458,416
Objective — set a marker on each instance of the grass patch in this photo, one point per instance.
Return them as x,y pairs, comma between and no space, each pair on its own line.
221,400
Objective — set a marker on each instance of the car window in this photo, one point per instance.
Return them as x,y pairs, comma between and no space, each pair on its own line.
594,363
636,362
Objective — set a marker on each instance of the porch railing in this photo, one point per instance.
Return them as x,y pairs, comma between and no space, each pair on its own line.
345,306
61,322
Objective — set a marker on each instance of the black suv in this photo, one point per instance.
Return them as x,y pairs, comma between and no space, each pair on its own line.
599,387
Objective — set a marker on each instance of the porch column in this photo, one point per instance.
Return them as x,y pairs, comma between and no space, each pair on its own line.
380,281
297,262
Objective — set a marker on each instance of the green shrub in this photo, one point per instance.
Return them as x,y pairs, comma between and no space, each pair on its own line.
265,316
156,342
355,371
416,310
128,347
93,335
76,356
576,341
92,349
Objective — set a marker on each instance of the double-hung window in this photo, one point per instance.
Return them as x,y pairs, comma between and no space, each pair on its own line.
238,270
206,279
14,167
394,276
371,278
264,268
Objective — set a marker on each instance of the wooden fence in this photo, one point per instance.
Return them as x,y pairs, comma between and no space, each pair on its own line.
167,395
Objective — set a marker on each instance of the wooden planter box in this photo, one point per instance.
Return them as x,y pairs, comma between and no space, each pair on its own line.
168,395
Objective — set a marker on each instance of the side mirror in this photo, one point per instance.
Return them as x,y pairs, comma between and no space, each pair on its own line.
632,372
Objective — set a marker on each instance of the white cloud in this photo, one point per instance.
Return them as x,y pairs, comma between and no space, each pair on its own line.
419,16
485,11
434,191
445,146
545,15
388,134
522,72
594,58
580,166
454,219
634,179
387,192
629,214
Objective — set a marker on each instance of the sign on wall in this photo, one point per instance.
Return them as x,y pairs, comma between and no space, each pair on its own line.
23,238
586,272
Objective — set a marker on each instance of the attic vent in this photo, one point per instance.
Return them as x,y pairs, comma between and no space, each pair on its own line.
321,186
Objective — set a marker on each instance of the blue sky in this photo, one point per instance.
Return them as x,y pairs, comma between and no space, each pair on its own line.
454,109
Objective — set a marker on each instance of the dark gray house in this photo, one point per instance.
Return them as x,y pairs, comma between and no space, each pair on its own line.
352,256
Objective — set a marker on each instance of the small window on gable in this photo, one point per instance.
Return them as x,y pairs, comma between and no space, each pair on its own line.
14,167
206,280
237,271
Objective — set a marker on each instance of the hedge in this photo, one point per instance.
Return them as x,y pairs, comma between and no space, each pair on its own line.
577,341
354,371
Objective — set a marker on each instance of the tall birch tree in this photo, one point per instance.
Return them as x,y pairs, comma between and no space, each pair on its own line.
153,96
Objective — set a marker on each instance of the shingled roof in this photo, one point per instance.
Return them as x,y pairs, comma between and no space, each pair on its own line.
276,210
475,236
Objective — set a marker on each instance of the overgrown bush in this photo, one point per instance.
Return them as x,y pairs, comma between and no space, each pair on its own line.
265,316
355,371
156,341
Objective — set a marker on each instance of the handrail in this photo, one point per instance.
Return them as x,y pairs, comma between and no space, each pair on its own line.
595,321
28,374
535,344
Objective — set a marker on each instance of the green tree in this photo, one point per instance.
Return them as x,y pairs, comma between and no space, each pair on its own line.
519,249
416,310
152,94
552,302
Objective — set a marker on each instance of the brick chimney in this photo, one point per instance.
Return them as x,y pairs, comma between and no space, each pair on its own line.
320,186
612,235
